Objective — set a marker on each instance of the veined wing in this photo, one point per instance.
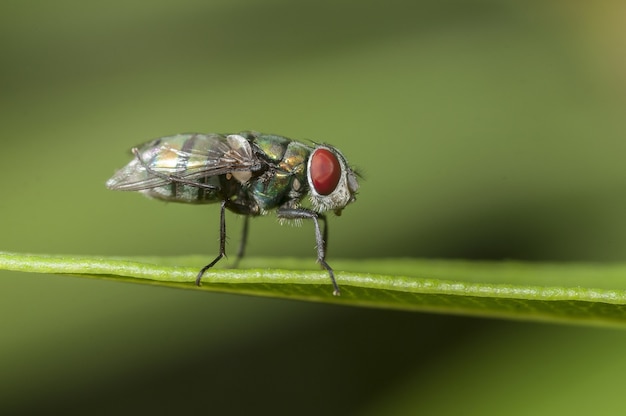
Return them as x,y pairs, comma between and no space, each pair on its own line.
187,157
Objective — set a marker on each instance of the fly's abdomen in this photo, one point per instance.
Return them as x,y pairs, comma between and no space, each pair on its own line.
189,168
190,194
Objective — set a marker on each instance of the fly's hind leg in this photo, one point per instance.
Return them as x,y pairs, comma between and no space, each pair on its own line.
222,252
320,237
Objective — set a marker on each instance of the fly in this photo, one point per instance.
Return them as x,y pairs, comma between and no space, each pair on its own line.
248,173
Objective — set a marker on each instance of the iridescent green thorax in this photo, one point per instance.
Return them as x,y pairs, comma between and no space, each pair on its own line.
285,180
270,146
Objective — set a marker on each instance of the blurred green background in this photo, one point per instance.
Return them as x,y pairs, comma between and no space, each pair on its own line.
485,129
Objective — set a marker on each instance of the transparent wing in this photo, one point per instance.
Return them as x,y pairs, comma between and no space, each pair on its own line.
185,157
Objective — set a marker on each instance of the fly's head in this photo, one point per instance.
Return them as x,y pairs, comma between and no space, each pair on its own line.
332,183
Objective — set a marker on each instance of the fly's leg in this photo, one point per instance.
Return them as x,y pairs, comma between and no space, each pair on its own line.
170,178
325,234
222,244
243,242
320,236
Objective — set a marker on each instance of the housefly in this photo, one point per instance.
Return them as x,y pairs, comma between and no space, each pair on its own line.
248,173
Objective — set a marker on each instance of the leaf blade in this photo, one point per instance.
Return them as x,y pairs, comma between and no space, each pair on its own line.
576,293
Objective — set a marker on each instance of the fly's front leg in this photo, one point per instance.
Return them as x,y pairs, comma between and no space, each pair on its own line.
323,218
320,237
222,244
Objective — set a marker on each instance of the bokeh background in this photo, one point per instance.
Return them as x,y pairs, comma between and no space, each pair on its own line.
485,129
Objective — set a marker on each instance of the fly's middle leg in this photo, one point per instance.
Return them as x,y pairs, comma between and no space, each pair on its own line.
243,242
222,252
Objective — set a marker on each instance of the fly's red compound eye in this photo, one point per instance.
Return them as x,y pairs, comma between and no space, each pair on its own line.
325,171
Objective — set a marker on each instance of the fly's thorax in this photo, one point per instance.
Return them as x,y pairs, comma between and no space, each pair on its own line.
270,146
332,183
284,181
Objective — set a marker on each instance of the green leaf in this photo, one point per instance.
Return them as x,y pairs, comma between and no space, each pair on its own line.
575,292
